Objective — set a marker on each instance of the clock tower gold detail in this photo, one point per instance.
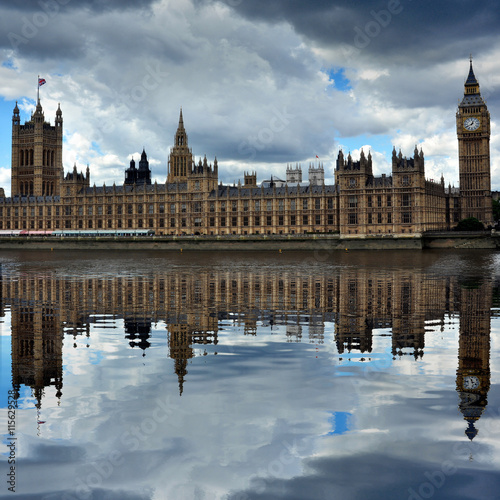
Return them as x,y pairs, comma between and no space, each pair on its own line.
473,130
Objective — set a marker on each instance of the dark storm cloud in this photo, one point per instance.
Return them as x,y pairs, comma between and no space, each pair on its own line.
96,5
48,28
391,28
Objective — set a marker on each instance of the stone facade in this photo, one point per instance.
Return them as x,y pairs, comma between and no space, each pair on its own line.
192,201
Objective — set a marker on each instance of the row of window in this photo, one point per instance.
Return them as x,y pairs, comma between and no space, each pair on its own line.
268,220
377,201
173,222
378,218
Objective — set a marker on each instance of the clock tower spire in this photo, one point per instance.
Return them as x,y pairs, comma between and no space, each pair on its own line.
473,131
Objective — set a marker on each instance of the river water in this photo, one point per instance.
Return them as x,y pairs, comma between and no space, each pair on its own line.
152,375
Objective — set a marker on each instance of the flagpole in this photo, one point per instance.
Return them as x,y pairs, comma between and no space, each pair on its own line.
38,89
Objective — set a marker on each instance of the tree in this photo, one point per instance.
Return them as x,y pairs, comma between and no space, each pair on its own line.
496,209
470,224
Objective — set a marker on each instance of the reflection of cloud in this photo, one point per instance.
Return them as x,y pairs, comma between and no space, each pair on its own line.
377,476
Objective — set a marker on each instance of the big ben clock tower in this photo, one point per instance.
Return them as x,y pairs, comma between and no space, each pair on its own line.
473,130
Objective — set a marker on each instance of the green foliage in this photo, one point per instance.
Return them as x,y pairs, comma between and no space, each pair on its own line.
496,209
470,224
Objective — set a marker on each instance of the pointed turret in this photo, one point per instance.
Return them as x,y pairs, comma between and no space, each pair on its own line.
180,135
472,94
471,79
181,158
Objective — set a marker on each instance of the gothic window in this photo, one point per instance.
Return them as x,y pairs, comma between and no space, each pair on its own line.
304,204
406,217
305,220
257,205
379,201
353,202
353,218
389,201
406,200
292,205
269,205
317,203
406,180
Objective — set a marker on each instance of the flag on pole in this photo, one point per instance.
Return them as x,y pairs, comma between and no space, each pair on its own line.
317,156
41,81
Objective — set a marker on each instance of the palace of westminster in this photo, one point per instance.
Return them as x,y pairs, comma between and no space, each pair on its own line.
192,201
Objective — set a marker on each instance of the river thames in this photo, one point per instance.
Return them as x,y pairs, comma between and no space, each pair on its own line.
239,376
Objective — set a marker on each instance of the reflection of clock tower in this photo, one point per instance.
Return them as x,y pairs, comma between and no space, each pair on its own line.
473,130
473,374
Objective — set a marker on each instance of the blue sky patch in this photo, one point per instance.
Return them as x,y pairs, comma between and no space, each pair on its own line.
338,79
341,422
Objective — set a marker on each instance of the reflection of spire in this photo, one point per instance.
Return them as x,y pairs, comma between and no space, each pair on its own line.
471,431
180,369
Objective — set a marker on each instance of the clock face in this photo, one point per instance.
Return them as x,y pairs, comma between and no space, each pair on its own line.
471,382
471,124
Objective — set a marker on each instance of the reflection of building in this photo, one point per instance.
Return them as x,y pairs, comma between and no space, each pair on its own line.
191,200
358,301
473,374
36,348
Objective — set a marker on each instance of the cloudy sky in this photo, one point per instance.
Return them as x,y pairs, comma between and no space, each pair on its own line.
261,84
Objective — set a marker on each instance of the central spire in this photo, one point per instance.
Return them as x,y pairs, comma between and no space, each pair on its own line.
180,135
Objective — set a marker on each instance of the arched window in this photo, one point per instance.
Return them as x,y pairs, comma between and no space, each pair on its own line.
31,157
21,157
52,159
